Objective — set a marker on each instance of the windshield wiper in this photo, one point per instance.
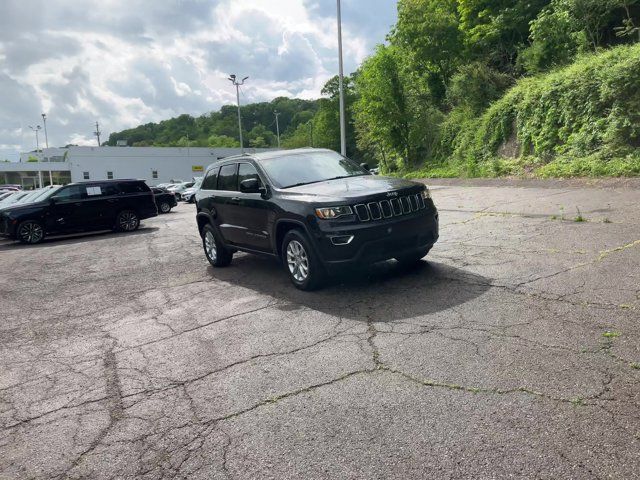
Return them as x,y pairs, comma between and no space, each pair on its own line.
318,181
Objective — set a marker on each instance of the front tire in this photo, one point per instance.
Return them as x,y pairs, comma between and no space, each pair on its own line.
165,207
30,232
217,254
127,221
301,262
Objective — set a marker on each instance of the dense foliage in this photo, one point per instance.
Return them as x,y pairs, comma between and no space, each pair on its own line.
466,87
491,87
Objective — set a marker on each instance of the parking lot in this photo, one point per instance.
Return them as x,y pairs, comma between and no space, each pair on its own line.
514,351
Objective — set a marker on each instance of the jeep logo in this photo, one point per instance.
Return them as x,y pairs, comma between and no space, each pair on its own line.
392,194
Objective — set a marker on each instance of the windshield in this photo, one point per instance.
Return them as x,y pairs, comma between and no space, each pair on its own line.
310,167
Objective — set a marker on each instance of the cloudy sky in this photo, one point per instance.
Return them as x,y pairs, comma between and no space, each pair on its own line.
126,62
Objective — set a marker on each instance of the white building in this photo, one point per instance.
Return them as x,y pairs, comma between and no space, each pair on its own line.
74,164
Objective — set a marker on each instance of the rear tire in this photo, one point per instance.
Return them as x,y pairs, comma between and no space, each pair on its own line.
217,254
301,262
30,232
127,221
412,258
165,207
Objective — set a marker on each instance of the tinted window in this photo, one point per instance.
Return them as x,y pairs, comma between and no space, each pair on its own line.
247,171
72,192
133,187
109,189
228,178
302,168
157,191
209,183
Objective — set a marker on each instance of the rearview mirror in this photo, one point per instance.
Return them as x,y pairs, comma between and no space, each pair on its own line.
365,166
250,185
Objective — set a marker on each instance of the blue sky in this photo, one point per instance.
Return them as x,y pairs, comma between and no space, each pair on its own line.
126,62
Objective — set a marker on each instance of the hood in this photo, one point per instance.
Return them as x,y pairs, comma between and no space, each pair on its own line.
352,187
20,207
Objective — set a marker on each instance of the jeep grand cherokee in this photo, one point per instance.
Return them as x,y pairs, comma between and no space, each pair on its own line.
315,210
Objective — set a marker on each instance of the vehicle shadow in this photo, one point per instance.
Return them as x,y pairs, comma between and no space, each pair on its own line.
76,238
383,292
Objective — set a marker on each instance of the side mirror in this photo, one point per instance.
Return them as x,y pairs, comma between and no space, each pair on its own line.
365,166
250,185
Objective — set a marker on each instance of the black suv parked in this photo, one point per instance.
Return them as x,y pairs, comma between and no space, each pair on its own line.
117,204
165,200
315,210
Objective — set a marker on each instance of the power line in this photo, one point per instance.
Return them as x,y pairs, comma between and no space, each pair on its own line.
97,132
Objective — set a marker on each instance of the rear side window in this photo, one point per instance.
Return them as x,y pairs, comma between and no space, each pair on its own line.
109,189
228,177
133,187
209,183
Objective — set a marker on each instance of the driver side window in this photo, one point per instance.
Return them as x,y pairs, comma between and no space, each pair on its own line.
247,171
72,192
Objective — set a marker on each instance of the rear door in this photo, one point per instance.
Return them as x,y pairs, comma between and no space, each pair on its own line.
226,201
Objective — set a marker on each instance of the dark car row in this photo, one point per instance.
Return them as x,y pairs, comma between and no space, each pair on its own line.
79,207
314,210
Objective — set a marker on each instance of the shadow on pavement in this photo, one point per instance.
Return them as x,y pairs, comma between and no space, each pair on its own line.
75,238
383,292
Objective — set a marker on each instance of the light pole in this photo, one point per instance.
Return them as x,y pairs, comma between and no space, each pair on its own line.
36,129
46,142
343,135
233,79
277,114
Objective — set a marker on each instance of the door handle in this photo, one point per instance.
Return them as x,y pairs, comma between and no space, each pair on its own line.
234,201
112,200
77,204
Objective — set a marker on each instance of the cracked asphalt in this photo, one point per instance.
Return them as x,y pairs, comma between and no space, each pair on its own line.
513,351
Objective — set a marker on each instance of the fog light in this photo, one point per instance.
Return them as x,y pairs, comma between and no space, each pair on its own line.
342,239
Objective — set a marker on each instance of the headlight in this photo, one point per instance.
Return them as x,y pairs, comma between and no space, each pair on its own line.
333,212
426,194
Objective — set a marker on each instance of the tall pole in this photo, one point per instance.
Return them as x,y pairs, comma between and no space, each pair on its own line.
37,129
46,142
97,132
277,114
237,84
343,134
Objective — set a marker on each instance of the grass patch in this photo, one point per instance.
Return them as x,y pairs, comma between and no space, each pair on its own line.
611,334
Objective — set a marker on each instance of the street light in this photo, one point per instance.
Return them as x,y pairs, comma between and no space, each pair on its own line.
343,135
232,79
46,142
36,129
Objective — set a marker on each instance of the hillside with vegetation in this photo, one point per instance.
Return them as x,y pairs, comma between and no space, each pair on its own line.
467,88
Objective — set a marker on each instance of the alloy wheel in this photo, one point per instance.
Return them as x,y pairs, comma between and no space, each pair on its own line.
128,221
210,246
164,207
31,232
297,261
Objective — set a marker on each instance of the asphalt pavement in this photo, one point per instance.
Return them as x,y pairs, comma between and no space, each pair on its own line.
512,351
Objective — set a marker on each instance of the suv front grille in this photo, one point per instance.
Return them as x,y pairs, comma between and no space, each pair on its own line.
389,208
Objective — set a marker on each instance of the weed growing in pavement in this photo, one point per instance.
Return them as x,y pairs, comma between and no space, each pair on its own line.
610,334
635,366
579,218
606,220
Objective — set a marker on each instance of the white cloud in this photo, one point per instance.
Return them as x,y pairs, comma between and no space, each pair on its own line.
126,62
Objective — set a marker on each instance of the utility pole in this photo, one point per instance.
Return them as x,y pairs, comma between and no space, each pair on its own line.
232,79
46,142
277,114
97,132
343,135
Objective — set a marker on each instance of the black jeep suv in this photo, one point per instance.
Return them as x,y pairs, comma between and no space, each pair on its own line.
315,210
77,207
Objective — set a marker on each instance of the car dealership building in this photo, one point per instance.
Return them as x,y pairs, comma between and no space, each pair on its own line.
57,166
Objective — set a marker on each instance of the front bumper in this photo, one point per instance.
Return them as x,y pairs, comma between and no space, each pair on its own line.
7,227
376,241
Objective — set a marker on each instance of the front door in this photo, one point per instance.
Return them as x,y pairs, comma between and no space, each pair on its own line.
70,210
253,213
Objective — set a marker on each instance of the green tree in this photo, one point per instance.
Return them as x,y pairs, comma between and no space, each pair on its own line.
429,32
